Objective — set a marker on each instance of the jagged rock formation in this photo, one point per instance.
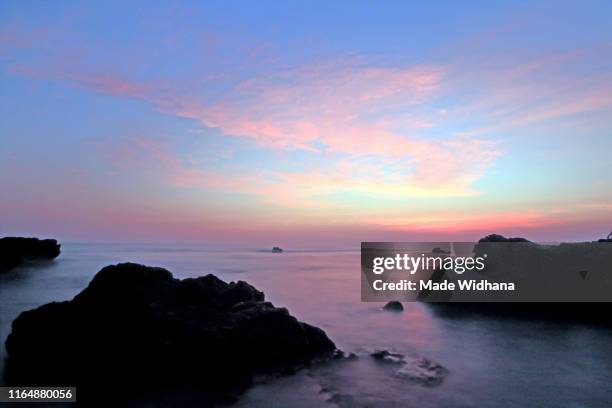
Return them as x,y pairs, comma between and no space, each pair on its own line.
136,326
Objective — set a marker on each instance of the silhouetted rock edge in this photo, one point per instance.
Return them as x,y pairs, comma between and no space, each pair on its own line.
139,325
16,250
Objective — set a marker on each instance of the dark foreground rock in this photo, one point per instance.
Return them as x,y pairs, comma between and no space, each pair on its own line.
16,250
136,327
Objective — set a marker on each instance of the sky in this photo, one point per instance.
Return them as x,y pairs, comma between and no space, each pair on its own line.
305,124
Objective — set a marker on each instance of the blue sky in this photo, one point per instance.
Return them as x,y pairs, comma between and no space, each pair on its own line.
305,122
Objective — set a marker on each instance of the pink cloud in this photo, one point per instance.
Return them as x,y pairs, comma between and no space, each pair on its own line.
341,110
318,104
144,155
349,109
356,108
515,91
110,84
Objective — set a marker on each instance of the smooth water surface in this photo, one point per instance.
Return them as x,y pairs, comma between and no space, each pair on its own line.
491,362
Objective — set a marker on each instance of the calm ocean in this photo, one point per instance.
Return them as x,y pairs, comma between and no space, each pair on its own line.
491,362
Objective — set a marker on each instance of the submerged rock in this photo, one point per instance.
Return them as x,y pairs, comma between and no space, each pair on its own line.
16,250
139,326
394,306
423,371
342,355
417,369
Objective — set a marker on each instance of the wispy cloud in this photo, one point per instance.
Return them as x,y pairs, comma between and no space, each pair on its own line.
344,107
370,119
338,105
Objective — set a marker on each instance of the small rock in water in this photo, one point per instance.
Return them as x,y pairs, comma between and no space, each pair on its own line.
423,371
342,355
388,356
394,306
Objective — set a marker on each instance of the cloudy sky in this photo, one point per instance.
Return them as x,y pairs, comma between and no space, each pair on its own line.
305,123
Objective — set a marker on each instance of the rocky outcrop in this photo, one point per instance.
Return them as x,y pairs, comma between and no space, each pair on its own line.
16,250
139,326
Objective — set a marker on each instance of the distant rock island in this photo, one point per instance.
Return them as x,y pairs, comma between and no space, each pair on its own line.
501,238
16,250
138,326
277,249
